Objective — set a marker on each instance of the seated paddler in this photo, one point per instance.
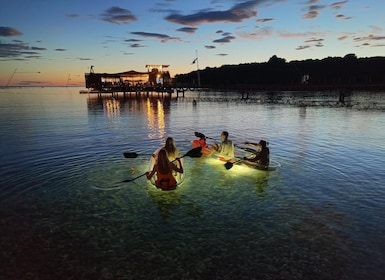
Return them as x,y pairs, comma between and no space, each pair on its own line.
163,169
262,156
225,150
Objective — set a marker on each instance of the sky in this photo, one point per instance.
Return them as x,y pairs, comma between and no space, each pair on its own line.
54,43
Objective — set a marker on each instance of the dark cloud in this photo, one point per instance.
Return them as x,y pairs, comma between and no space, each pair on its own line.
311,42
118,15
210,47
265,20
314,40
312,9
343,38
132,40
136,45
339,16
369,38
187,29
162,37
237,13
38,49
33,56
222,54
9,32
302,47
84,58
30,83
30,53
226,39
60,50
310,15
338,5
13,50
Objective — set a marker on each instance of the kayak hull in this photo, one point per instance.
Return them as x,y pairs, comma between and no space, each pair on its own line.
179,177
274,165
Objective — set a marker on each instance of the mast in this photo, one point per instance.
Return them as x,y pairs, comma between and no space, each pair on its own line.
199,77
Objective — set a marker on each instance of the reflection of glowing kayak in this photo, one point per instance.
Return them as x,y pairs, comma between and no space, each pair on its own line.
201,143
179,177
274,165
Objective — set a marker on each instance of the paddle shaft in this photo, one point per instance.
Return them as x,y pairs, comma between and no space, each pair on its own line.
192,153
198,134
134,155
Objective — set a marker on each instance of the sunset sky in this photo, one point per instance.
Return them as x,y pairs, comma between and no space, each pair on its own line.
49,43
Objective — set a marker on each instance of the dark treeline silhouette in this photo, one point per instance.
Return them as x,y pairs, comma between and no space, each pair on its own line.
347,73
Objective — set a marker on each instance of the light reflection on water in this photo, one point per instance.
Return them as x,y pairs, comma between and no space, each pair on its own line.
320,215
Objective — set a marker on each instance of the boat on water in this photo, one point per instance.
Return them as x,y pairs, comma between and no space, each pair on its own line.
179,177
274,165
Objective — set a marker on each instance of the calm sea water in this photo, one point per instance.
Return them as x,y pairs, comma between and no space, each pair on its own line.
319,216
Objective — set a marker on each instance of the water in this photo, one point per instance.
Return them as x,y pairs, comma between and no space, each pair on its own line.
320,215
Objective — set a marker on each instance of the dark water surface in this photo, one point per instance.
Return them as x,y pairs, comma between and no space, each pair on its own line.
319,216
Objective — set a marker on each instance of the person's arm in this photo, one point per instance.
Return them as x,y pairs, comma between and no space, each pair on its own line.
251,143
151,173
178,168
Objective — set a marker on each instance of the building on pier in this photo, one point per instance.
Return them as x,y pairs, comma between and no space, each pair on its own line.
157,78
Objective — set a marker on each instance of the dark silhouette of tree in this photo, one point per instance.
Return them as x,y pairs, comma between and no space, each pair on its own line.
336,72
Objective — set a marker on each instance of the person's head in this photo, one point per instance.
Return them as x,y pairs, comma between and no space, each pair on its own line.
224,135
262,143
170,146
170,142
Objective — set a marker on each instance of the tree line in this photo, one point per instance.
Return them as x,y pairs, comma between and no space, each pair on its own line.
332,72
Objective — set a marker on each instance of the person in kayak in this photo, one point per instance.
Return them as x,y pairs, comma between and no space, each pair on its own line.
201,142
171,149
262,157
225,150
164,169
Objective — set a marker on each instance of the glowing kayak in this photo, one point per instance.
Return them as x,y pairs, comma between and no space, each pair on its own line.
179,177
274,165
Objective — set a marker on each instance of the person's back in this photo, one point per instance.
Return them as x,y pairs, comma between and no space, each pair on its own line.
164,172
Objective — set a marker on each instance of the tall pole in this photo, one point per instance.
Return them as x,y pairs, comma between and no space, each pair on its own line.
199,77
13,74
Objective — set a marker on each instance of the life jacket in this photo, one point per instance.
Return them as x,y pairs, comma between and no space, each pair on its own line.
166,182
201,143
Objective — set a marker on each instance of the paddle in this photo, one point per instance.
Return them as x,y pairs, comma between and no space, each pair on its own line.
228,165
134,155
201,135
193,153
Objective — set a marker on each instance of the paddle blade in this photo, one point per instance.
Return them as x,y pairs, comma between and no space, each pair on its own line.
130,155
196,152
229,165
199,135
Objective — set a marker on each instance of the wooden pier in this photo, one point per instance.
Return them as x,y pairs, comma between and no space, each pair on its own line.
129,92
